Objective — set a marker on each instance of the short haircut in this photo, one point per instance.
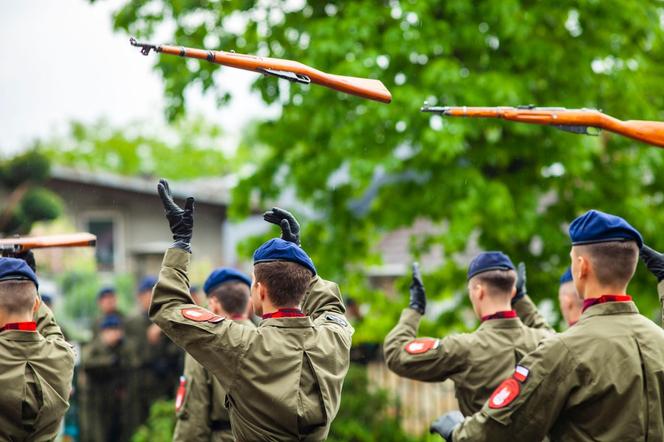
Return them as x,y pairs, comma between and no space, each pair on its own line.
233,296
17,297
613,262
498,282
286,282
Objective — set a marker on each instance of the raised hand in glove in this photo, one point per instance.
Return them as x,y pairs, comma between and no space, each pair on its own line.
180,220
29,259
290,228
418,297
521,290
654,261
446,424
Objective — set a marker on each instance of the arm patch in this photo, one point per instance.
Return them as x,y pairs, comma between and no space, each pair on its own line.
336,319
200,314
422,345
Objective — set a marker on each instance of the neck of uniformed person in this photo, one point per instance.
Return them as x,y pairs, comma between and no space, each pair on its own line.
602,378
36,363
477,362
282,379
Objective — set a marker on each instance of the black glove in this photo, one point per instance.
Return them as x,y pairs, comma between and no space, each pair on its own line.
180,220
29,259
446,424
290,228
654,261
521,289
418,297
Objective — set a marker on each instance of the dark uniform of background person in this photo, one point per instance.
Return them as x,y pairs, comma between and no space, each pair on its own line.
36,363
105,362
107,303
603,378
156,361
199,403
282,379
477,362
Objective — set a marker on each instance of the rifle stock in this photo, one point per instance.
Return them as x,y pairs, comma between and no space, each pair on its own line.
10,246
571,120
288,69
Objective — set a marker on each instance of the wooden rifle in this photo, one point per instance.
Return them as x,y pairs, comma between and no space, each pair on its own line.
287,69
577,121
12,246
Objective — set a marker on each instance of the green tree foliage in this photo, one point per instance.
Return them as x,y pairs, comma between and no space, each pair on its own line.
364,168
26,202
190,149
160,425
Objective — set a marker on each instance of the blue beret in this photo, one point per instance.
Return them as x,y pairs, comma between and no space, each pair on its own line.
13,268
277,249
567,276
110,321
486,261
47,299
105,291
222,275
147,283
595,226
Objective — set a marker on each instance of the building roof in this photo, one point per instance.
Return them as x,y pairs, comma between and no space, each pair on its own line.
214,191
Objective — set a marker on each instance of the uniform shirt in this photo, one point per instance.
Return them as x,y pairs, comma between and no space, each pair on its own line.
477,362
601,380
36,369
283,378
530,315
202,415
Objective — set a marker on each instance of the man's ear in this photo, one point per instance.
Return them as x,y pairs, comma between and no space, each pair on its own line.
35,307
480,292
584,266
262,291
513,292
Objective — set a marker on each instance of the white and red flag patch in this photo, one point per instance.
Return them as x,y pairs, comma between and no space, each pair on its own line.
181,393
504,394
422,345
521,373
200,314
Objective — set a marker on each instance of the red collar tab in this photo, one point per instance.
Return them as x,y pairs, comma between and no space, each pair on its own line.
587,303
505,314
285,313
23,326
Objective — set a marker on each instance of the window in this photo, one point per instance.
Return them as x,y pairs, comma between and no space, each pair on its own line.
105,251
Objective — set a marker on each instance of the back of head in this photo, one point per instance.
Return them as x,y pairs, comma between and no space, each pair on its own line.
286,282
613,263
17,297
497,283
233,296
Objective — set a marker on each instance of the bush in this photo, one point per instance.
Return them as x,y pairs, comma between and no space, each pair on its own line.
160,425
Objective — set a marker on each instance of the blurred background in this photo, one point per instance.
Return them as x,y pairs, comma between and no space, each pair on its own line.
89,125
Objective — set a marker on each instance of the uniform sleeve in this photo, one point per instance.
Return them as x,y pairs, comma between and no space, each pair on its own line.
322,297
423,359
46,325
214,342
99,360
530,316
193,417
526,409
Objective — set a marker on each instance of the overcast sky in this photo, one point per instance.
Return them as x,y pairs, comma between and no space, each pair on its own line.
61,61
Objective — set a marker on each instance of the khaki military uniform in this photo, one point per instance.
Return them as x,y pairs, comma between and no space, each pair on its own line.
155,369
283,378
202,415
106,372
477,362
601,380
660,290
530,315
36,370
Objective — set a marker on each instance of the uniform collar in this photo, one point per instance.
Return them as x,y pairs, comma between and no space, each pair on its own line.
21,336
587,303
29,326
505,314
608,308
285,313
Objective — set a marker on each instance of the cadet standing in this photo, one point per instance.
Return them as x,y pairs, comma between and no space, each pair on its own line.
156,361
36,363
199,404
282,379
599,380
571,304
105,362
477,362
107,303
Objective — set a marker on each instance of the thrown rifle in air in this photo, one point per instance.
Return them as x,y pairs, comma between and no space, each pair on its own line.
12,246
287,69
571,120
